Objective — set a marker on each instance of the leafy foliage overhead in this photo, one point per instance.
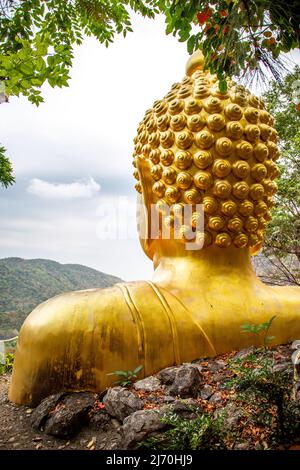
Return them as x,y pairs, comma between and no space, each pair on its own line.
238,37
37,36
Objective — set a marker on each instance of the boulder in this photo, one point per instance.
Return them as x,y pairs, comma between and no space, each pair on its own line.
71,415
219,378
231,414
187,381
149,384
206,392
120,402
214,365
168,399
41,412
141,425
215,398
167,375
186,408
100,421
282,367
243,353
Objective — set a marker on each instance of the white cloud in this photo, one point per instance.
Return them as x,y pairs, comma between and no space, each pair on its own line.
85,188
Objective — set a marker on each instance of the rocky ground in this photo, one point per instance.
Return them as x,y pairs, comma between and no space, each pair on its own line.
245,400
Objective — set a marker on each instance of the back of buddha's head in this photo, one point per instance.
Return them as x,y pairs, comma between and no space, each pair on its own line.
200,146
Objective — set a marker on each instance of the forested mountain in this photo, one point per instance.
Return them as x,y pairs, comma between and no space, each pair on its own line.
26,283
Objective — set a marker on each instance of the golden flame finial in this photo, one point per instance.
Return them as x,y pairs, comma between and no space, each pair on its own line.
195,62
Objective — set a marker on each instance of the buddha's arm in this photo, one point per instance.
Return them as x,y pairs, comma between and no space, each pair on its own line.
72,341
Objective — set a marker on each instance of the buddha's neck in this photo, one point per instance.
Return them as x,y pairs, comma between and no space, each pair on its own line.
176,267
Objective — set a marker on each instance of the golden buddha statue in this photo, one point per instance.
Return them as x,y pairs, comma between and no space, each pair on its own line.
195,146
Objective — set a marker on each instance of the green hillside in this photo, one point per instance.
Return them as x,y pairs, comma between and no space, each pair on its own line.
26,283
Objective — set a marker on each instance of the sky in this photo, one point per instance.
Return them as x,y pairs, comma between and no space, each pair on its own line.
72,156
74,198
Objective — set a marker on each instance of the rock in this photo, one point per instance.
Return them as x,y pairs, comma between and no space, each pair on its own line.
220,363
120,402
116,424
282,367
157,400
40,414
195,364
168,399
71,416
213,365
215,398
206,392
185,408
140,425
222,377
149,384
100,421
243,353
231,414
187,381
183,404
167,375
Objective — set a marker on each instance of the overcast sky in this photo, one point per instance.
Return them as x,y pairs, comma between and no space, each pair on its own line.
72,155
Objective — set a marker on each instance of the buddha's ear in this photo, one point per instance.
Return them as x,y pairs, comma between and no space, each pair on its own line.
144,205
254,250
144,227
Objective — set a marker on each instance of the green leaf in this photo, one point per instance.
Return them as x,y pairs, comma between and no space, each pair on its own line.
191,44
138,369
51,61
27,68
247,328
270,338
40,64
121,372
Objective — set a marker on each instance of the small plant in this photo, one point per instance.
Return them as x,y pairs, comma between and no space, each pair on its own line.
263,390
202,432
8,364
250,371
127,377
257,329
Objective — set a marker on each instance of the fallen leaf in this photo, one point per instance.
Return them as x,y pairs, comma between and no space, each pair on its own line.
91,443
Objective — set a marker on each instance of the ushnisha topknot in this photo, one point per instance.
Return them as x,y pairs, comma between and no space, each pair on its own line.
200,146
